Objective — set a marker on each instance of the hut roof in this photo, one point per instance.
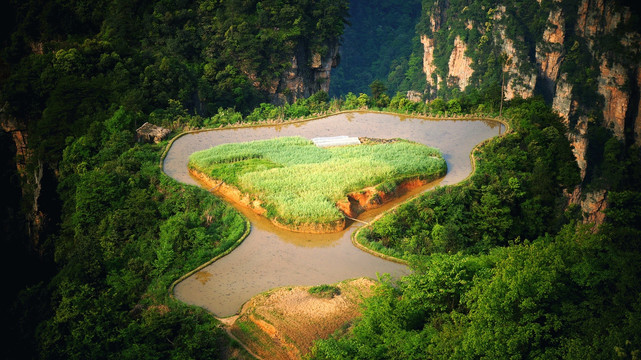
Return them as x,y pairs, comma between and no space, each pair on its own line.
151,132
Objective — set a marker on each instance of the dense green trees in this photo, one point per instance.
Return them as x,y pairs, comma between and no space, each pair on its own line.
513,194
127,232
552,298
146,55
81,76
501,267
381,43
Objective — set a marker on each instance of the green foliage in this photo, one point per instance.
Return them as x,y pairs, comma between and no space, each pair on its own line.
324,291
83,76
121,120
377,45
512,194
302,182
378,88
162,58
127,232
546,299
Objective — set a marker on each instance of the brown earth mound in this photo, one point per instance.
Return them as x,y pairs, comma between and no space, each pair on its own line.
284,323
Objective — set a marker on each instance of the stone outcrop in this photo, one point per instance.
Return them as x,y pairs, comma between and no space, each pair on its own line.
591,204
31,172
309,73
598,19
611,82
429,44
577,133
549,52
18,132
579,141
414,96
562,102
459,65
614,68
518,82
428,62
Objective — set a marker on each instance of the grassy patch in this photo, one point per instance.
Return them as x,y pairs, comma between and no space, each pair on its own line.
324,291
300,183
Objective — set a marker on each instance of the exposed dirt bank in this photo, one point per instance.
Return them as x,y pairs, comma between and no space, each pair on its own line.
352,206
284,323
234,195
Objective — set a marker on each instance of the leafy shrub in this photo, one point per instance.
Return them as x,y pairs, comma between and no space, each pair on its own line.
324,291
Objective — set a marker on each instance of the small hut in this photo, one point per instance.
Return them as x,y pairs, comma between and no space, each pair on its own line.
151,133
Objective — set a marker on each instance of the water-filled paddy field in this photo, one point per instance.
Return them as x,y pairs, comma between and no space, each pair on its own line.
271,257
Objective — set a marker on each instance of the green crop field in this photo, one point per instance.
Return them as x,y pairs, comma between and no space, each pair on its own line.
300,183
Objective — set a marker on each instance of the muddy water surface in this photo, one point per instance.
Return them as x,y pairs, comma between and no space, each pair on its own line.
271,257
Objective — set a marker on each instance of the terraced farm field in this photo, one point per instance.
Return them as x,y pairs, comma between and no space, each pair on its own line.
296,183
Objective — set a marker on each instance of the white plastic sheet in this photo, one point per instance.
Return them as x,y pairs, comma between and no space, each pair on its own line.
336,141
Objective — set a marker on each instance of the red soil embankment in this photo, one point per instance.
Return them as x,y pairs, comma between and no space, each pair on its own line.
352,206
370,198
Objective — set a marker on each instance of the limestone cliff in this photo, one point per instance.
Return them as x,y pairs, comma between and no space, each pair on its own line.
428,63
549,52
520,77
613,78
309,73
429,44
18,132
459,65
528,65
32,176
584,58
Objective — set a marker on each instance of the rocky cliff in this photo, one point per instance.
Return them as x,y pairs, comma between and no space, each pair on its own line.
32,173
531,61
583,56
309,73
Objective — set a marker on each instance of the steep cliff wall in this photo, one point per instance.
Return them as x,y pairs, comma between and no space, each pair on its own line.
530,60
549,51
309,73
583,56
520,77
32,178
459,66
18,132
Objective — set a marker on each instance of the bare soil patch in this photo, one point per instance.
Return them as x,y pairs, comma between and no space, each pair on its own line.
283,323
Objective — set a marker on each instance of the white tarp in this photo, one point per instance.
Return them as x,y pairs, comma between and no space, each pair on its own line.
336,141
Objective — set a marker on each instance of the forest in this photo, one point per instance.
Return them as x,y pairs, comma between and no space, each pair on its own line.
94,233
503,267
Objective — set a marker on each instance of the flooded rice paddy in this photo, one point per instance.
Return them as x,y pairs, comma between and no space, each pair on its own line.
271,257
